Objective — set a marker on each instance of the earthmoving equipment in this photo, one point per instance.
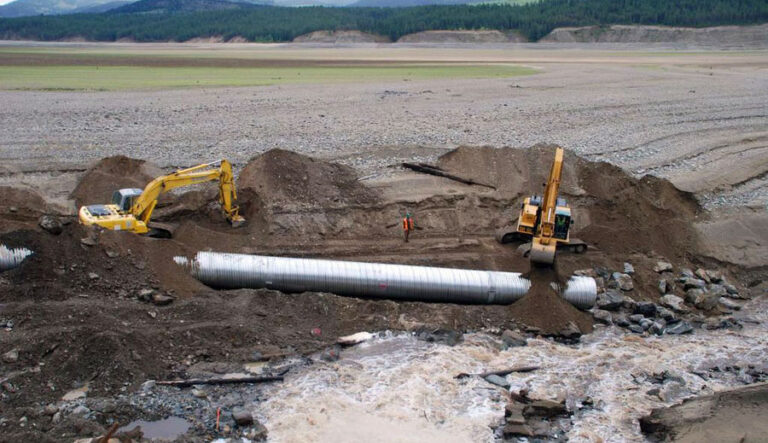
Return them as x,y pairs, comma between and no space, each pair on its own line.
371,280
546,220
131,208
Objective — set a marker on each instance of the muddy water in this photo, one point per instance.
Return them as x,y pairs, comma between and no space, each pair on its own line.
396,388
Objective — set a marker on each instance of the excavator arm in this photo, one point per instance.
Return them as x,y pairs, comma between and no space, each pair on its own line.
144,205
544,246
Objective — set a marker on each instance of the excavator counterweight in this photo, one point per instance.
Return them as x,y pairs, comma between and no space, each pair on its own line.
131,209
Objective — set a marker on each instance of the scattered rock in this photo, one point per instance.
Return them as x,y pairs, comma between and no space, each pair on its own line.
662,286
602,316
498,381
50,409
513,412
621,320
729,304
693,283
11,356
80,410
663,266
702,300
199,393
682,327
51,224
702,274
56,418
636,318
628,268
544,408
657,328
89,241
443,336
242,417
685,272
623,280
610,300
715,276
731,290
161,300
718,290
637,329
646,323
145,294
513,430
570,331
148,385
513,339
645,308
666,314
673,302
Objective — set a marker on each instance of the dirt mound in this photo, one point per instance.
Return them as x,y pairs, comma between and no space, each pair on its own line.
544,309
340,37
282,177
468,36
613,211
20,208
741,36
111,174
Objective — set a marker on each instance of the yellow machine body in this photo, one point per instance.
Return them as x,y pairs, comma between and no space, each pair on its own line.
131,209
547,218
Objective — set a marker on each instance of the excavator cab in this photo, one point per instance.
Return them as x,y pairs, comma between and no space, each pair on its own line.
124,198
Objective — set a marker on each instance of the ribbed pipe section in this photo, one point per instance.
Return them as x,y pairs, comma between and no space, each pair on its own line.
581,292
11,258
358,279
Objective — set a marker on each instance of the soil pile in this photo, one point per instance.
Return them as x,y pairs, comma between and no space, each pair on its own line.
740,36
341,37
468,36
544,309
19,207
283,177
111,174
612,210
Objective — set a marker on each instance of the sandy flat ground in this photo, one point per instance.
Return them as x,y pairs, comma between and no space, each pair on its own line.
699,118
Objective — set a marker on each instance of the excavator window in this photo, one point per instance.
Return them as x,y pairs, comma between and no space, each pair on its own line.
562,223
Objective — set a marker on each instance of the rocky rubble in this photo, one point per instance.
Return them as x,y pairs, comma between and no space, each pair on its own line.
702,292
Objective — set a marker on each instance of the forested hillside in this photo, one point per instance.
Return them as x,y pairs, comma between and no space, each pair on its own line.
266,24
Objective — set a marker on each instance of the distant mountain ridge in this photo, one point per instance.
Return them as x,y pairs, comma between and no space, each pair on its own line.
20,8
171,6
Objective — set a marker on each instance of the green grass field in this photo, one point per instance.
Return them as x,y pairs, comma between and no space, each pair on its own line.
103,78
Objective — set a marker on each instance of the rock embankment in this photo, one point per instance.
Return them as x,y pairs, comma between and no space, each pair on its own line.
740,36
468,36
340,37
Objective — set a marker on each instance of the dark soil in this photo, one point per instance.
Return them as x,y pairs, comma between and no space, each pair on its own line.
77,317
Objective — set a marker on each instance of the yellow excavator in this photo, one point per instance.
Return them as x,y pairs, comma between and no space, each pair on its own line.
546,220
131,208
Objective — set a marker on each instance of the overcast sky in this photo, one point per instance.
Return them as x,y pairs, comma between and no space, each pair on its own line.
2,2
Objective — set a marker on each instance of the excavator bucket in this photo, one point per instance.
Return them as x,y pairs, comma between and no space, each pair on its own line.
541,253
236,221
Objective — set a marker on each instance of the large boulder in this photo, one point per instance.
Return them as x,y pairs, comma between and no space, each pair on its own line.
673,302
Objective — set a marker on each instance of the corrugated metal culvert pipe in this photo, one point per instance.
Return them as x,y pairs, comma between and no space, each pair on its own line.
11,258
356,279
374,280
581,291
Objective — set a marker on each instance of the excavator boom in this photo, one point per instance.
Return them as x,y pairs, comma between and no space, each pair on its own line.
132,210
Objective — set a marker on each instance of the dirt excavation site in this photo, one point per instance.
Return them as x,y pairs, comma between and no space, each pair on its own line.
114,336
